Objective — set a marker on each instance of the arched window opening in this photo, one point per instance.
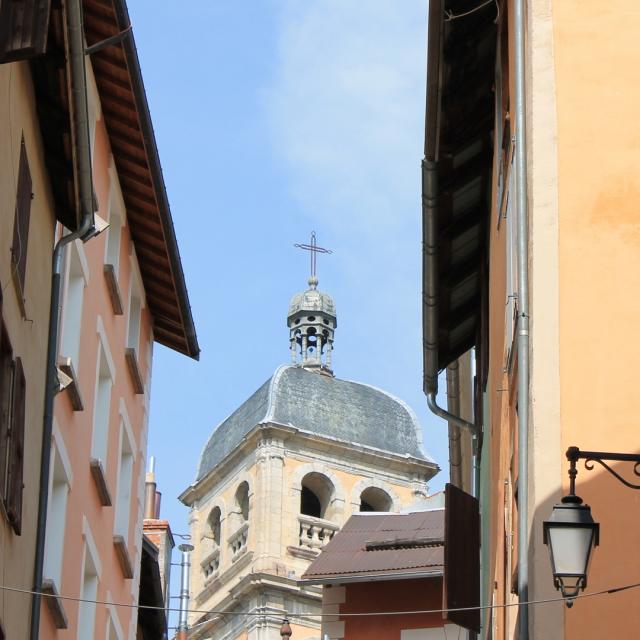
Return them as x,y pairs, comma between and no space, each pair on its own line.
316,495
215,525
374,499
242,500
310,503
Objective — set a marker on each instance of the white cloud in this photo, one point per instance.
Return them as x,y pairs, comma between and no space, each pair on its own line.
346,110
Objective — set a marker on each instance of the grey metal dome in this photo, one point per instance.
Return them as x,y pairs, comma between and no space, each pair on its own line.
312,300
339,410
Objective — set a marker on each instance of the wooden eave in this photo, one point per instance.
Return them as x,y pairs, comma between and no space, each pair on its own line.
460,117
128,123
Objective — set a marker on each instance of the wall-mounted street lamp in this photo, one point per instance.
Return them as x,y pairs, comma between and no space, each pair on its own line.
571,533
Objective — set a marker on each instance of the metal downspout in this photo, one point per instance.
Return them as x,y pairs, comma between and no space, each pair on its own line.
430,293
85,188
453,406
523,322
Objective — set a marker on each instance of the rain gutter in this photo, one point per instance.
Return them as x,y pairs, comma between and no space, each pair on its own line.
430,196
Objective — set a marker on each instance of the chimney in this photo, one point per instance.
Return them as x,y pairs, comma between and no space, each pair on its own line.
150,491
185,566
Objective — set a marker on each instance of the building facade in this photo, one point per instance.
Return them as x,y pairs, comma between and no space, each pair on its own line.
121,292
573,242
27,220
283,473
388,567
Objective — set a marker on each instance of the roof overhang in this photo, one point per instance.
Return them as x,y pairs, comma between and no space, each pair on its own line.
371,577
128,122
457,180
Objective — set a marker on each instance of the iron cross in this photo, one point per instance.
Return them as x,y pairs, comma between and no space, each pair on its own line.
313,249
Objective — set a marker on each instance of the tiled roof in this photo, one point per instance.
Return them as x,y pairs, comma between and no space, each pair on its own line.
383,545
338,409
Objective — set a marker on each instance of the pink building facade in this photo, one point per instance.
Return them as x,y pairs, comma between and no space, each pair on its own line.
122,291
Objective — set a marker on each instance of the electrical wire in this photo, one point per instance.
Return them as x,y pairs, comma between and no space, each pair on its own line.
369,614
451,16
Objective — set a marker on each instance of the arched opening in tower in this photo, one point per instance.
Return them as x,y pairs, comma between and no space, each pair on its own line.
374,499
310,503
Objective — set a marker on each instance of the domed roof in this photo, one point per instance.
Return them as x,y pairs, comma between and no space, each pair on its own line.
336,409
312,300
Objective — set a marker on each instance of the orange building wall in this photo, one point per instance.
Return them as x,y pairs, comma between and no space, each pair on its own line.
598,101
76,431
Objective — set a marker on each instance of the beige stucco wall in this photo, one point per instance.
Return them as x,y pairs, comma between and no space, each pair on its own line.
274,463
28,335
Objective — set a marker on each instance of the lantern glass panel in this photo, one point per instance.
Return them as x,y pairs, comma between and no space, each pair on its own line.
571,548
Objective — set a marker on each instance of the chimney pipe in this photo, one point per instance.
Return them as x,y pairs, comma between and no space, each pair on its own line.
150,491
158,501
185,566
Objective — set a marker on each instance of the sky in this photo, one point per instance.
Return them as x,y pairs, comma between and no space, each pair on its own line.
273,119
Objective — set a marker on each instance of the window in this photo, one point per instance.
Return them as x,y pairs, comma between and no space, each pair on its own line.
215,525
374,499
12,425
316,495
89,591
56,516
114,234
101,414
71,324
21,224
242,501
125,478
132,350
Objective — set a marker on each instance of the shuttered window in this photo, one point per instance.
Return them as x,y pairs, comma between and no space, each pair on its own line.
21,222
16,449
6,388
23,28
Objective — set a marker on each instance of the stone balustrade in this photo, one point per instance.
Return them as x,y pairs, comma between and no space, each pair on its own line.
211,564
238,541
315,533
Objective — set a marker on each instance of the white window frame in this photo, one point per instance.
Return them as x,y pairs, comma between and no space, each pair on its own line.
125,491
137,303
60,483
76,279
105,380
90,561
117,221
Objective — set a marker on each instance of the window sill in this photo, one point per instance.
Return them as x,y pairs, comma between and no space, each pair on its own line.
123,556
113,288
54,604
99,479
73,389
134,370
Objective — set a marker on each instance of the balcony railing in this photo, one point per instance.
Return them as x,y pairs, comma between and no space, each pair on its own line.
238,541
211,564
315,533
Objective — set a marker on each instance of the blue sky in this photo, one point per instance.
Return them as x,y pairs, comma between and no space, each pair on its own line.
273,119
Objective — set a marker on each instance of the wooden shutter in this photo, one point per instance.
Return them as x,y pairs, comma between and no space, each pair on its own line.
21,222
6,380
462,557
23,28
16,449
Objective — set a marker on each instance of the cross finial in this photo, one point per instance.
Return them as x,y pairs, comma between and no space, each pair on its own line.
313,249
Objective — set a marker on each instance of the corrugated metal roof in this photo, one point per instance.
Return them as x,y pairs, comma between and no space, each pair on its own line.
413,543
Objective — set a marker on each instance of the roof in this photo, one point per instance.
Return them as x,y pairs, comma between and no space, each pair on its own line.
314,403
457,190
377,545
128,122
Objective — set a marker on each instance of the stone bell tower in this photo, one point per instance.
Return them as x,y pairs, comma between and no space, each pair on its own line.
280,475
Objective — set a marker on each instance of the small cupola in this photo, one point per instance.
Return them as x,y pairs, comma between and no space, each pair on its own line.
312,322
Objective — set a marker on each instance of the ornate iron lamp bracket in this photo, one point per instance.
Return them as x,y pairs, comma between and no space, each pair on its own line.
591,457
